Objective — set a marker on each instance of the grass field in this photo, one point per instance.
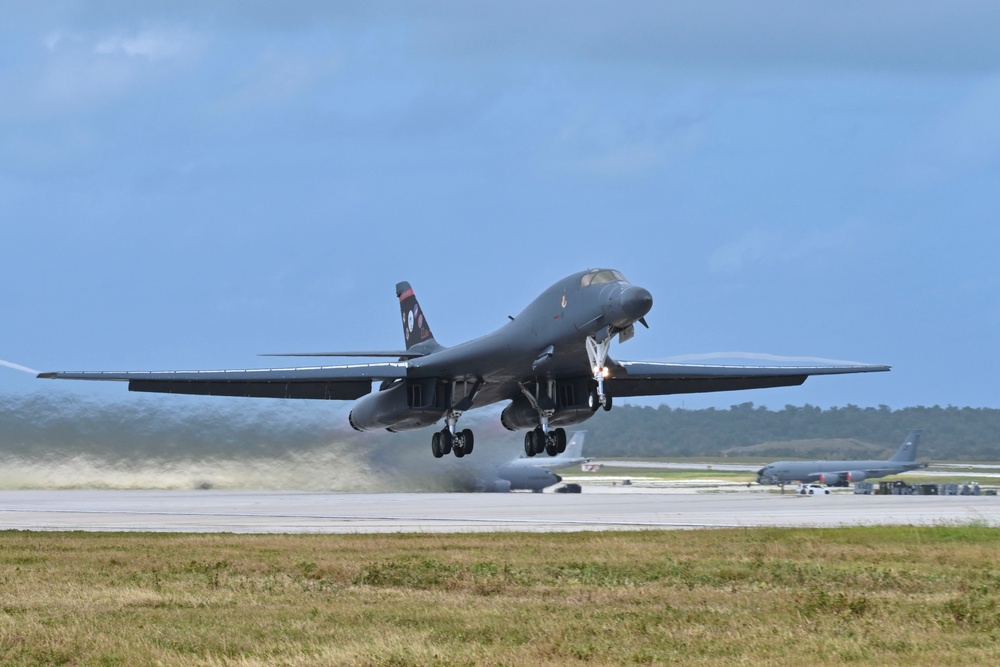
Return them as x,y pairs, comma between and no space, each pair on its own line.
914,596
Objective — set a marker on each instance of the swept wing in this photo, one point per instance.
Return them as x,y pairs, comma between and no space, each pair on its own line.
346,382
651,378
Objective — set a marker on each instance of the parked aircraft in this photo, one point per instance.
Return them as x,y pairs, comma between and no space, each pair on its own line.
550,364
840,473
531,474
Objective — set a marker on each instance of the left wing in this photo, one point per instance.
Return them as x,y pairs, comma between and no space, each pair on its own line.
651,378
319,382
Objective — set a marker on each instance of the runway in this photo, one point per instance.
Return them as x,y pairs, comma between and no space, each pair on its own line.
294,512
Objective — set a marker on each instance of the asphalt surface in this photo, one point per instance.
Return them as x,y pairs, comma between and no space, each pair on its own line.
293,512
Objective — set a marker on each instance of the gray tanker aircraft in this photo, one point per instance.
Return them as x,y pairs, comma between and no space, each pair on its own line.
840,473
550,364
531,474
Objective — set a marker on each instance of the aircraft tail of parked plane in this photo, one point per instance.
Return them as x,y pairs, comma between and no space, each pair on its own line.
908,450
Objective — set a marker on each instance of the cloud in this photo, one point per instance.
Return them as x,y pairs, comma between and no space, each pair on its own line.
152,44
277,77
892,35
959,141
758,247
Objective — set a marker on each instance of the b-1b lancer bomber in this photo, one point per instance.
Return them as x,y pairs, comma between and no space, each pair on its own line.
550,364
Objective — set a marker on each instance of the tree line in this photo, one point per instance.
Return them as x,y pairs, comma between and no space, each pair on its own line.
952,433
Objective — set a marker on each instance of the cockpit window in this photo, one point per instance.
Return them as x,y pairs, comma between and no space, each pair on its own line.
601,277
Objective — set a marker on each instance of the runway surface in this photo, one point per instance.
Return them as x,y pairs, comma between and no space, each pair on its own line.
291,512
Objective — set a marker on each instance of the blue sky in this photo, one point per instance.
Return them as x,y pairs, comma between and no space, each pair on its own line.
186,185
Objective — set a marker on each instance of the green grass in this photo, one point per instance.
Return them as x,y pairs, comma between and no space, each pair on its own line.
900,595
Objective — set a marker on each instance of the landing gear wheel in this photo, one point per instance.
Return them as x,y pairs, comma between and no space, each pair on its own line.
529,443
551,445
539,439
436,445
593,401
560,440
447,441
467,437
459,451
607,403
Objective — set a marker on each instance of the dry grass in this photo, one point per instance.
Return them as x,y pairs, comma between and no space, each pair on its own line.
762,597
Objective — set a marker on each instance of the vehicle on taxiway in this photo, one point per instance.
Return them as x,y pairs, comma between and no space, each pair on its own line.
813,490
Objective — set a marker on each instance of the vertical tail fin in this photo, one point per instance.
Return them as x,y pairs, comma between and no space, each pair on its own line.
574,448
908,450
415,327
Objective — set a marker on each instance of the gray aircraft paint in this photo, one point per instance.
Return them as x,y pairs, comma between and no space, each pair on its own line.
539,363
841,472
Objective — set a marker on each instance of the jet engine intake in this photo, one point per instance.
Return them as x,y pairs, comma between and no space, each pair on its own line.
395,409
856,476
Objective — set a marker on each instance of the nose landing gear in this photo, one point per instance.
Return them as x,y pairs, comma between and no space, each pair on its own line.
598,355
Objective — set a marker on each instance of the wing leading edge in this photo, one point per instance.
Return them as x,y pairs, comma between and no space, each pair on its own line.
346,382
650,378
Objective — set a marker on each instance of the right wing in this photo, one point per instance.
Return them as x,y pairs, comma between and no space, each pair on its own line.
652,378
346,382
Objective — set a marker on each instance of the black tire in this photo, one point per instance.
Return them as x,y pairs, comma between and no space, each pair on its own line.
551,444
539,438
560,440
593,402
459,451
607,403
468,437
529,444
447,442
436,445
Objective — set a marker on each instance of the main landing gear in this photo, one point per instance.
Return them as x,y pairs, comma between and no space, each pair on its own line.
445,442
537,441
450,439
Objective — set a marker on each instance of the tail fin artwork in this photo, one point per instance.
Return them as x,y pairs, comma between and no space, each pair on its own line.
908,450
415,327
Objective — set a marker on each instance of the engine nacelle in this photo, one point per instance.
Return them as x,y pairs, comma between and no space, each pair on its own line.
400,407
856,476
520,415
829,478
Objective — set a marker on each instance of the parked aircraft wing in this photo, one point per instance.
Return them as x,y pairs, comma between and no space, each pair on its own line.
651,378
318,382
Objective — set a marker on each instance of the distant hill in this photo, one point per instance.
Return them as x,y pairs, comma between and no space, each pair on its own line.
814,449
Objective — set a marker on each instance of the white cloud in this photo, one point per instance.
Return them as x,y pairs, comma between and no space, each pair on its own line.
152,44
771,246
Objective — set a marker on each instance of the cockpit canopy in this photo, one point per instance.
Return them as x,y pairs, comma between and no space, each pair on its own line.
601,277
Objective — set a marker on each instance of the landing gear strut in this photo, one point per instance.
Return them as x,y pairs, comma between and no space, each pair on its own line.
598,355
450,439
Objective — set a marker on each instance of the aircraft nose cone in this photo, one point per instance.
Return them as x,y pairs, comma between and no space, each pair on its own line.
636,302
